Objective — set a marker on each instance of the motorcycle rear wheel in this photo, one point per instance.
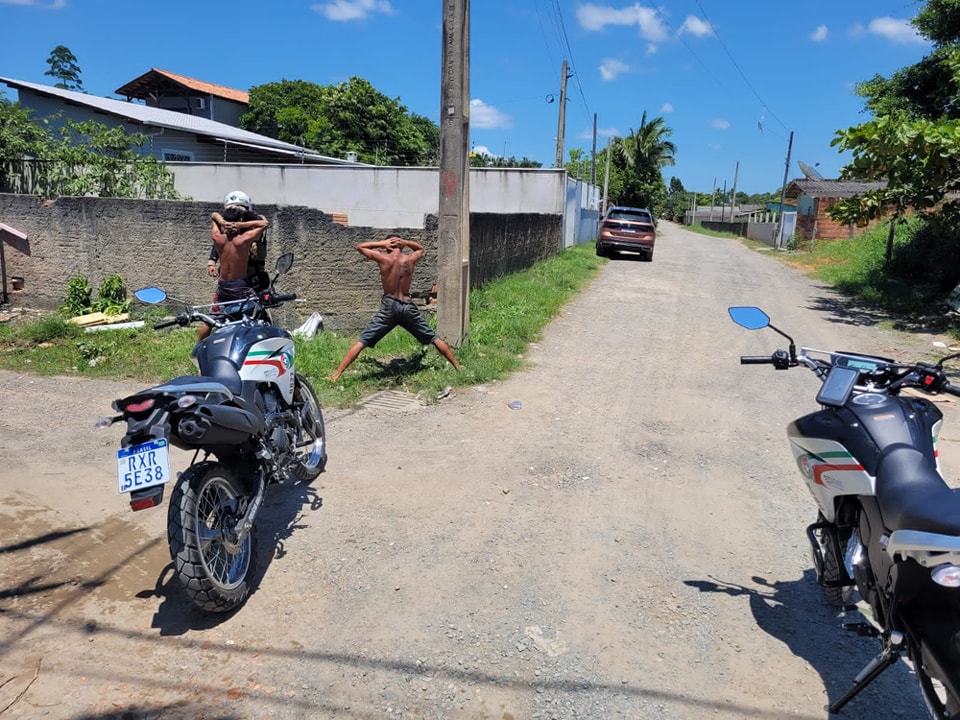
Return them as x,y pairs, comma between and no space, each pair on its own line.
940,704
311,453
215,570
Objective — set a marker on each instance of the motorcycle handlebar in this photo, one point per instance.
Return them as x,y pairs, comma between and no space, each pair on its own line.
756,360
285,297
166,323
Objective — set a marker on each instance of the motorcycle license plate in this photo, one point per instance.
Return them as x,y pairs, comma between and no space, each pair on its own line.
143,466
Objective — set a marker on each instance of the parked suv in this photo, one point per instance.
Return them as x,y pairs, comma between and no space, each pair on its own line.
627,229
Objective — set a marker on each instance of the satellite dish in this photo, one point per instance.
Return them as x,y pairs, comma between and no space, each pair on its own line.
809,171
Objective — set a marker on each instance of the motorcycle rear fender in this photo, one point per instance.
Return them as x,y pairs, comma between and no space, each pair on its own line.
928,549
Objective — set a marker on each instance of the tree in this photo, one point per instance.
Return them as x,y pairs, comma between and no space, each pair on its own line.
337,119
911,144
493,161
637,160
77,159
678,200
63,67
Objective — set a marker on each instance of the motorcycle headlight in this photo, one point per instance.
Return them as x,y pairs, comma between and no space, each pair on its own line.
946,575
185,401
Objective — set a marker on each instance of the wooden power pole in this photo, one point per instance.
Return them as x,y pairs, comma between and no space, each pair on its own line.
453,231
561,123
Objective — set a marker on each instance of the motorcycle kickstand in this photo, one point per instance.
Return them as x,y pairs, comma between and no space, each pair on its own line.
887,657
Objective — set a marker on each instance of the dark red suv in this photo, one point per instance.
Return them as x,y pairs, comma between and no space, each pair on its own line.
627,229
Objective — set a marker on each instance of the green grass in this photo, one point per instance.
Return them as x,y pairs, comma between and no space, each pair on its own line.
506,315
855,267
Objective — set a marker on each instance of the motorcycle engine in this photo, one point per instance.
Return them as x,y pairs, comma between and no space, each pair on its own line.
280,433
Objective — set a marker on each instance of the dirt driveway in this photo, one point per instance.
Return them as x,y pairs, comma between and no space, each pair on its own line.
628,544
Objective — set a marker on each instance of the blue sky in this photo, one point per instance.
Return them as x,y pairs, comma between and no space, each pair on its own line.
731,79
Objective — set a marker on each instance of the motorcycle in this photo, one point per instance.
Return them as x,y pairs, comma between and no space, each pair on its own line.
888,525
250,420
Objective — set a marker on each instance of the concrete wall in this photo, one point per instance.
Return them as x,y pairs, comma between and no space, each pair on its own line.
380,197
166,243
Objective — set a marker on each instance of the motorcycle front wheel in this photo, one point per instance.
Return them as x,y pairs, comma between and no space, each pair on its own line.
311,452
215,569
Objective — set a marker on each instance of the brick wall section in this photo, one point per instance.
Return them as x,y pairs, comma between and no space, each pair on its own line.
824,227
166,243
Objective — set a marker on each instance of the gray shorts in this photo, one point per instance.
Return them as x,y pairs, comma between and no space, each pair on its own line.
395,312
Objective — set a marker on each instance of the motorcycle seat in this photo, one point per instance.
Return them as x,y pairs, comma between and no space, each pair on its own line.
243,396
912,495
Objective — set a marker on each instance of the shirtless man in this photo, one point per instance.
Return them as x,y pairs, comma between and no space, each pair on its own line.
232,236
396,307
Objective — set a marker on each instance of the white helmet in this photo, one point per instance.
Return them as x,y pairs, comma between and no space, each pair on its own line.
237,197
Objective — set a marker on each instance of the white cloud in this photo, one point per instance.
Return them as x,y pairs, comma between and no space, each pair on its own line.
487,117
598,17
344,10
51,5
895,29
481,150
666,108
720,124
696,27
651,49
611,67
820,34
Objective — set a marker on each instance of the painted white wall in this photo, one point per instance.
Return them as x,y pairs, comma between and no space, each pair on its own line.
383,197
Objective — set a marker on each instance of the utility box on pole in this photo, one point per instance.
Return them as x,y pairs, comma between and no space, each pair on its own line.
453,231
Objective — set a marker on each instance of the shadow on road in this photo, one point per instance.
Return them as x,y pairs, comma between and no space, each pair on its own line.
794,613
280,516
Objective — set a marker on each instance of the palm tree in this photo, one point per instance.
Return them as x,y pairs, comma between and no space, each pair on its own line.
642,155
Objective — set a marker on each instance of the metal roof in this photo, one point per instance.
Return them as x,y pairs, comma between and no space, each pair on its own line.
830,188
138,114
140,87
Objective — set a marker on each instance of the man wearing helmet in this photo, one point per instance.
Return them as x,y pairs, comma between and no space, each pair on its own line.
256,265
233,237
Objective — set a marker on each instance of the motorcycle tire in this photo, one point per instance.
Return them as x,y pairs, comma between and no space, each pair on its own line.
940,704
216,572
833,570
311,454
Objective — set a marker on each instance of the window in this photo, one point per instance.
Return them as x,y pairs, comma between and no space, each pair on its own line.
176,156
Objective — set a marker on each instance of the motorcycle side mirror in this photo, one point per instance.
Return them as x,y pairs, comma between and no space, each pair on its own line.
284,263
751,318
150,295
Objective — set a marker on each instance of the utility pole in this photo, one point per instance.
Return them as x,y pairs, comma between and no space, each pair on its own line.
733,202
453,221
783,194
593,155
606,179
563,113
723,203
713,198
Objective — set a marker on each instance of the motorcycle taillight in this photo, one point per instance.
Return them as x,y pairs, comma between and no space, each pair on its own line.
138,407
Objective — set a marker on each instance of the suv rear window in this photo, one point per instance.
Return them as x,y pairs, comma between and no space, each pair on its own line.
633,215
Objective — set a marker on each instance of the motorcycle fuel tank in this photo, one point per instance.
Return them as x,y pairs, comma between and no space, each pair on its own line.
261,353
837,450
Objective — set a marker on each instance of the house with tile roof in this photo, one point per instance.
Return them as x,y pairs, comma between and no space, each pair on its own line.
170,91
814,197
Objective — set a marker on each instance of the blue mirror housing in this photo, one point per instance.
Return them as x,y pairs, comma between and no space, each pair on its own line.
150,295
751,318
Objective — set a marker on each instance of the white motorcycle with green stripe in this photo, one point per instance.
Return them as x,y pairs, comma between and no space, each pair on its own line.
250,419
888,525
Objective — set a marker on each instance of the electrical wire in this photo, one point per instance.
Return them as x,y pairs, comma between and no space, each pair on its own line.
737,66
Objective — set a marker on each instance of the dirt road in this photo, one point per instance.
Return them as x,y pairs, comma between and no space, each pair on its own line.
628,544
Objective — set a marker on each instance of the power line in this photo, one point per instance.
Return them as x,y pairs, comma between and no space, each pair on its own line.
737,66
